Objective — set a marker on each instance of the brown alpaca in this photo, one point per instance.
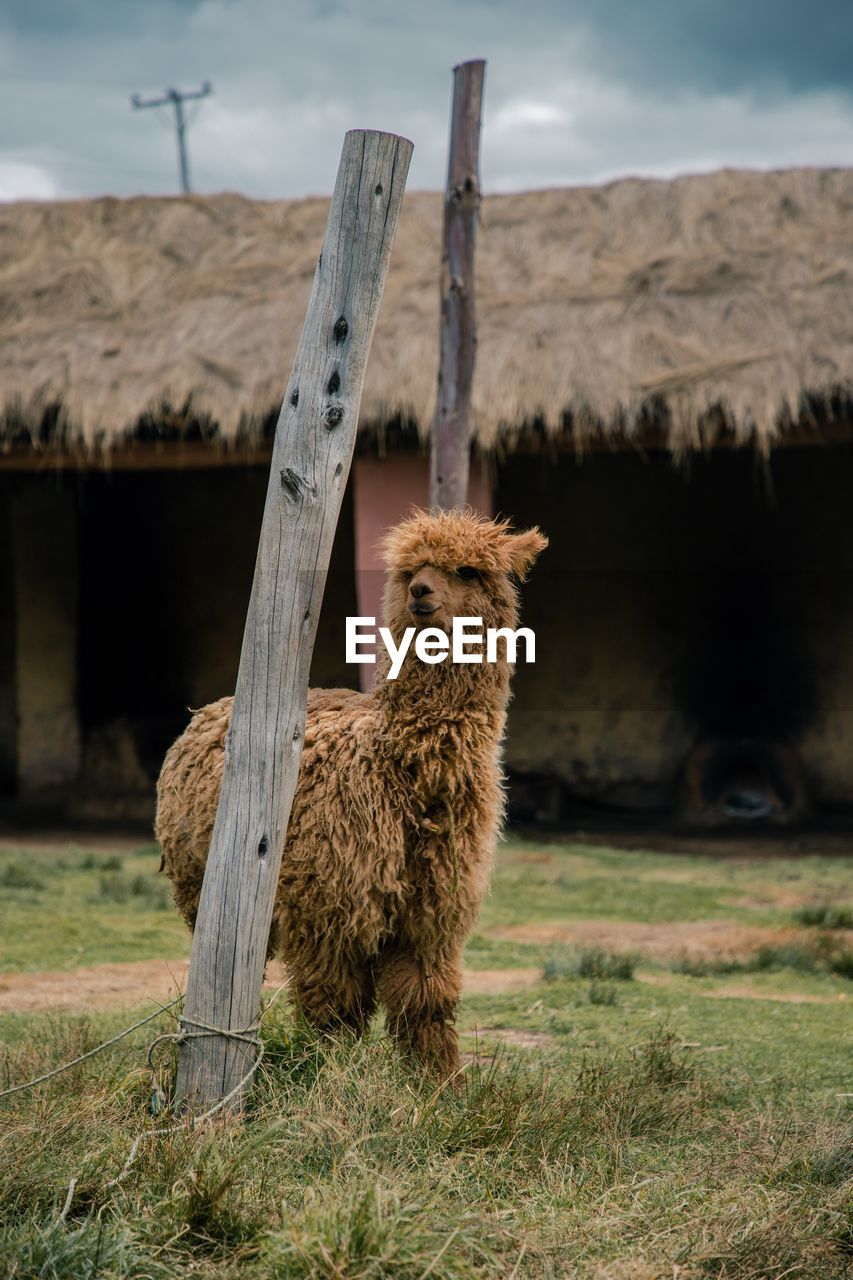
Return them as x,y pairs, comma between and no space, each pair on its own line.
398,805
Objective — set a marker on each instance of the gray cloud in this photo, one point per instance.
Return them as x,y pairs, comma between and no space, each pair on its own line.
758,46
574,93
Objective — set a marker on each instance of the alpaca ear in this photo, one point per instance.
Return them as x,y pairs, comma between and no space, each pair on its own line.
523,548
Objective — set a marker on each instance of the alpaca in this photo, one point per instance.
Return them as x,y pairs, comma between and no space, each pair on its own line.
398,803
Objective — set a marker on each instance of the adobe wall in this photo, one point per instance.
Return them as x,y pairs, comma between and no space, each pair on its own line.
673,604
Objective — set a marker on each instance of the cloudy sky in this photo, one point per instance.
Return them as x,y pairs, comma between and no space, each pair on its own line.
576,90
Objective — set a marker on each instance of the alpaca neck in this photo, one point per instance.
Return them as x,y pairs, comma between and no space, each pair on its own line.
451,712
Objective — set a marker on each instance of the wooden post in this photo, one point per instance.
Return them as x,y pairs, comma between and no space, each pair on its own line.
311,459
451,434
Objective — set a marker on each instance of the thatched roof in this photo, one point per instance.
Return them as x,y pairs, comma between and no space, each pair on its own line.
706,302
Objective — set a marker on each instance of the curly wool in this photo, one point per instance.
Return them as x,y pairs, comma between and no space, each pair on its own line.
397,809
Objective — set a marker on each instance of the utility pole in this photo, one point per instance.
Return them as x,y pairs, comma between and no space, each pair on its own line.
177,99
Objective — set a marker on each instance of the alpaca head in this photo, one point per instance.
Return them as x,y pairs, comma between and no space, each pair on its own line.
448,564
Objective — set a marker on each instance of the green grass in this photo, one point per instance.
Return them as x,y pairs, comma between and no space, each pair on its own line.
605,1155
587,962
824,916
60,911
823,953
76,908
623,1118
555,882
804,1047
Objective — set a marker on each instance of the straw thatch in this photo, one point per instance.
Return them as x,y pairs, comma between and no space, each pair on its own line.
709,303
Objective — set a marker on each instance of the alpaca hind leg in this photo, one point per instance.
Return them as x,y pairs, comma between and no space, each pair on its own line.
420,1000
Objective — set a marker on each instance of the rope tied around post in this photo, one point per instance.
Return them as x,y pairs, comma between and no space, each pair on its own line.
247,1035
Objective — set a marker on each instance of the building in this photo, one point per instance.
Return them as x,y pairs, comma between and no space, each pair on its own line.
664,384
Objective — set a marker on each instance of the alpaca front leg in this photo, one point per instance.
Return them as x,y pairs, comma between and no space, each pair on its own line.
341,999
420,999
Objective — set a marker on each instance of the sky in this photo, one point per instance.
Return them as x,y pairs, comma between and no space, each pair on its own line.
578,92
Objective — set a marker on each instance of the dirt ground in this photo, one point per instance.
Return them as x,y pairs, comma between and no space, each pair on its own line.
143,981
696,939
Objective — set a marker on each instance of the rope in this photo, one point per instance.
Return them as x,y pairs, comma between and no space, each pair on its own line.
249,1035
68,1199
66,1066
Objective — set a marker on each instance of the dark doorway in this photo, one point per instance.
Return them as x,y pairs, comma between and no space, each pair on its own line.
683,603
166,565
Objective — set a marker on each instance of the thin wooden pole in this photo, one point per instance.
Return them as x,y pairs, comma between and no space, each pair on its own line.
451,434
310,463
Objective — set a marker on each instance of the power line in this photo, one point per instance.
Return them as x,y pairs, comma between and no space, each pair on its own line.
177,99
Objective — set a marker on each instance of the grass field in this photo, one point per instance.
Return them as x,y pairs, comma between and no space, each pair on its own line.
667,1094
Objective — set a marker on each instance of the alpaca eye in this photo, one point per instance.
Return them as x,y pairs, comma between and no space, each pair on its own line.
466,573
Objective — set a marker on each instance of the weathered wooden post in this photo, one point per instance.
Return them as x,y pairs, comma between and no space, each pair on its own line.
311,459
451,434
